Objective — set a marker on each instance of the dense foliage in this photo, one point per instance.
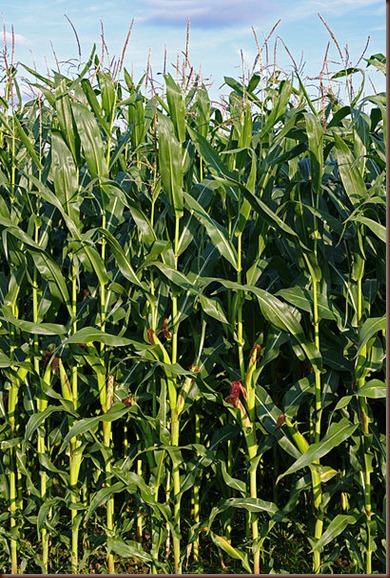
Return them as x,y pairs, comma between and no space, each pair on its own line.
192,327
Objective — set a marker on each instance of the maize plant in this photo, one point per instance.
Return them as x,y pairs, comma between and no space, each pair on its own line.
192,326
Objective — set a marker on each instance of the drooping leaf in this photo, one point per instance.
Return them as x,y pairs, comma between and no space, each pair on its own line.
130,549
374,389
102,496
35,328
369,328
216,232
336,434
91,334
350,176
335,528
231,550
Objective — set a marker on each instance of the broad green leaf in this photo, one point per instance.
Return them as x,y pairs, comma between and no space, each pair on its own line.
145,228
267,213
36,419
4,360
137,121
52,273
268,414
335,528
129,549
231,550
18,233
107,94
345,72
95,106
246,206
203,112
233,483
336,434
279,107
176,107
369,328
66,121
94,259
83,425
175,276
280,315
377,228
216,232
213,308
122,142
35,328
121,258
351,177
293,398
271,348
343,401
302,299
209,154
88,254
316,149
27,143
253,505
101,497
45,80
171,164
43,518
91,140
51,198
65,177
91,334
374,389
378,60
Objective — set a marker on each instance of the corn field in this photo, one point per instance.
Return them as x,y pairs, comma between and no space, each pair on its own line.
192,327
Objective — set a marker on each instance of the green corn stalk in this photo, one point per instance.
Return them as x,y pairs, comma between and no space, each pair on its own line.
315,140
18,376
12,403
13,392
41,449
198,440
42,403
358,275
171,134
196,493
247,416
252,445
75,457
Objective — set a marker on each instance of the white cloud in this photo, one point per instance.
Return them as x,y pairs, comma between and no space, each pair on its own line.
203,13
338,7
19,39
344,4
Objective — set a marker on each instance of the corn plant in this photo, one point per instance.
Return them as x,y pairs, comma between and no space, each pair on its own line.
192,325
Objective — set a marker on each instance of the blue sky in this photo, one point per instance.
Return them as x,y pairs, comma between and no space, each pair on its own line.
220,30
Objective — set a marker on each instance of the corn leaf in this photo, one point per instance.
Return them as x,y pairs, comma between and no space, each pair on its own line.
171,164
91,334
176,107
335,528
349,172
336,434
230,550
91,140
216,232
